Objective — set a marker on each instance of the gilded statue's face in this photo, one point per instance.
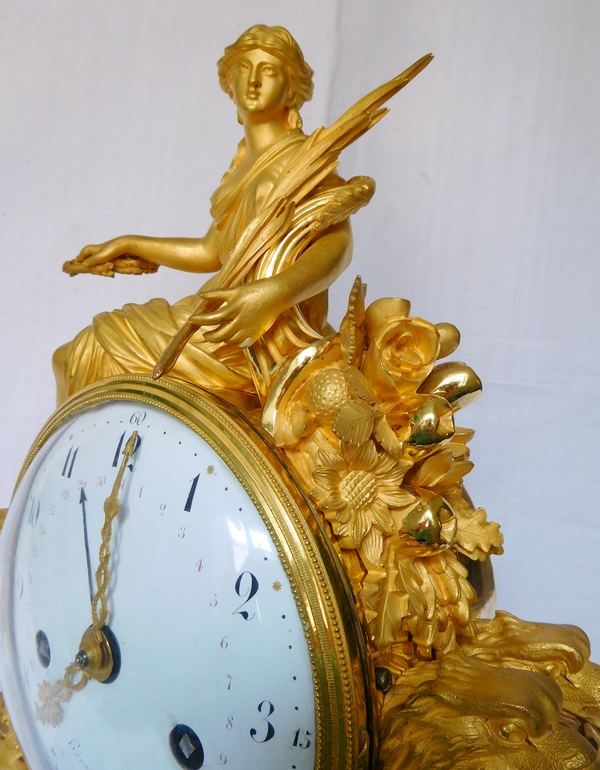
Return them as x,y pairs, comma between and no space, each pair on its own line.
259,85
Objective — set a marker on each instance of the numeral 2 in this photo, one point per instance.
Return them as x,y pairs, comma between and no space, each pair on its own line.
252,590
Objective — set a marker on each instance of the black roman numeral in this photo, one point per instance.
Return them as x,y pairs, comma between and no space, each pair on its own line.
69,463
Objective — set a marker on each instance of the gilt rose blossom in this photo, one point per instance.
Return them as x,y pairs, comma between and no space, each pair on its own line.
400,356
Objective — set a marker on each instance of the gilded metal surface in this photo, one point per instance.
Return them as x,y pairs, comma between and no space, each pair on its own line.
98,662
382,458
330,623
373,438
11,756
293,368
454,381
461,713
365,418
279,238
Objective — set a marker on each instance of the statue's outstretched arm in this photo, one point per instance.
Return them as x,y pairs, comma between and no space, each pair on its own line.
195,255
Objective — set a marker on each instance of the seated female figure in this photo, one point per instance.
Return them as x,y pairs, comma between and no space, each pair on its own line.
275,304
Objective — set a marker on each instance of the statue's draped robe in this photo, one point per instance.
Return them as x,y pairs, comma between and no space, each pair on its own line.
130,340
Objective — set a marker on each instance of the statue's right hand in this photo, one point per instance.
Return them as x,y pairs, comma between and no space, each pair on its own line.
104,252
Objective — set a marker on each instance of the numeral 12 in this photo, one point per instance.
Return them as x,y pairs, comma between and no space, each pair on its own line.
117,456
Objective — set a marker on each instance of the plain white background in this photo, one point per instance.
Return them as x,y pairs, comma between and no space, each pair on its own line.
486,215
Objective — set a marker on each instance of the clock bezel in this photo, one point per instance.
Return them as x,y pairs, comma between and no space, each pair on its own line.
342,674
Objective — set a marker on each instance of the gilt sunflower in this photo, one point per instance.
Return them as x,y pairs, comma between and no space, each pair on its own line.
356,490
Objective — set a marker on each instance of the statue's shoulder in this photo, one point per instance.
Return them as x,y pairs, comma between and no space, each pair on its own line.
265,171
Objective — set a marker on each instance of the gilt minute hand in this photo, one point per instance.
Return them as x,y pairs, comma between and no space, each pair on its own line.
111,509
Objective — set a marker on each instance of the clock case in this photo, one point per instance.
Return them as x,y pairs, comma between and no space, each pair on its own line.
343,677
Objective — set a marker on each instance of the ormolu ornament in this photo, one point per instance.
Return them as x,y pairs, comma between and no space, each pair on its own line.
365,419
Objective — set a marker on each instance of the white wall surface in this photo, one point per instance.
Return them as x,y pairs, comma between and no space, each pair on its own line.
486,215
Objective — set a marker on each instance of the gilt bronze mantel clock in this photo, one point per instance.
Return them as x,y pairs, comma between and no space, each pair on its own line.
243,539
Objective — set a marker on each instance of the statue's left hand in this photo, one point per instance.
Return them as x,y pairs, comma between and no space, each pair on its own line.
244,313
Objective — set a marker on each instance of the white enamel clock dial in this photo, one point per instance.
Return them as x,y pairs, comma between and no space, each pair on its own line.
215,668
